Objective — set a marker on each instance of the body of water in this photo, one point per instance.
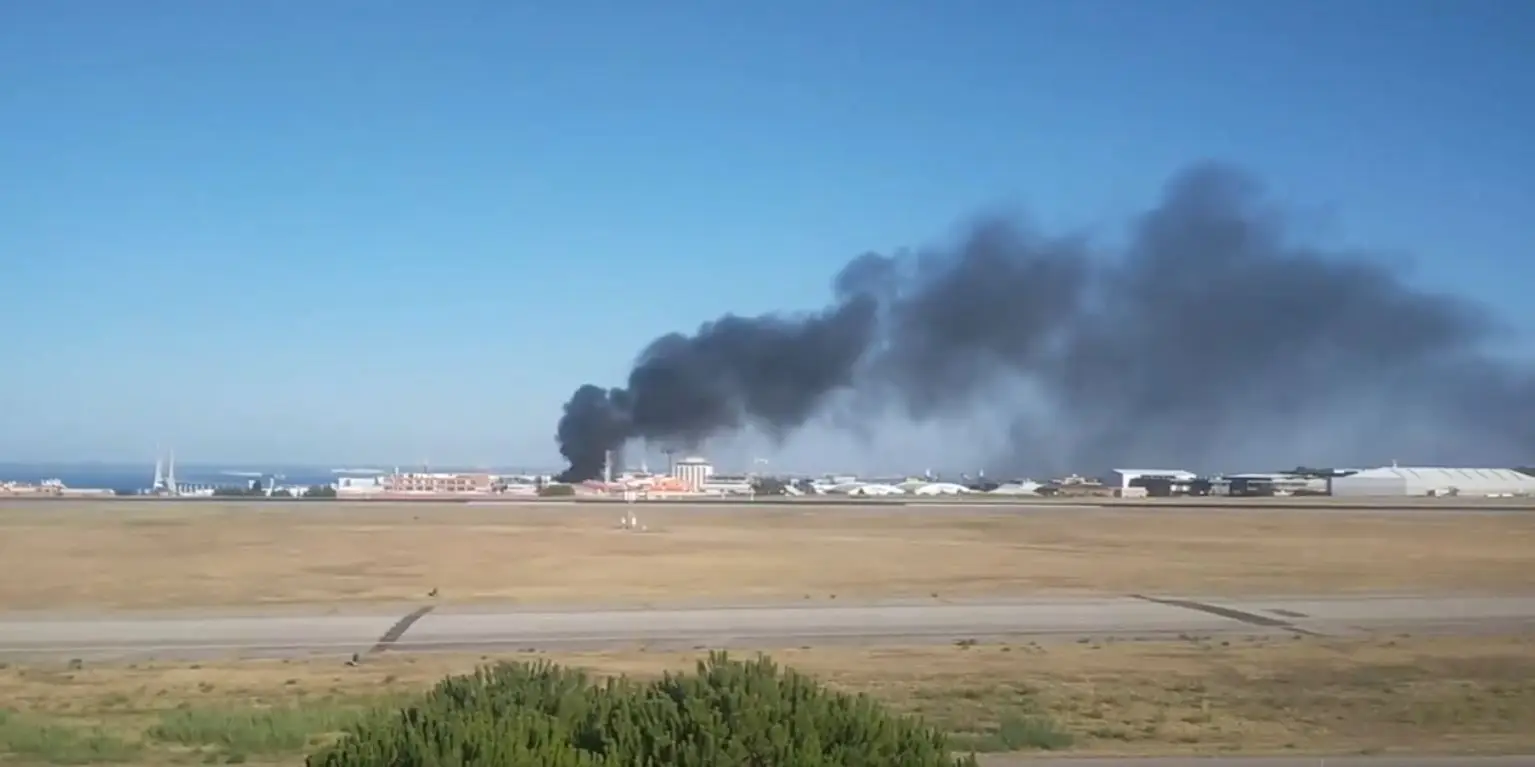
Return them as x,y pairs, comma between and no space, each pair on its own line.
133,478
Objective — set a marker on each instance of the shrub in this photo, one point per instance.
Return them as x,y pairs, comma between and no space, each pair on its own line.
727,713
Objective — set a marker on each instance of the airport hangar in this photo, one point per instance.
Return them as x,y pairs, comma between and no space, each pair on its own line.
1403,481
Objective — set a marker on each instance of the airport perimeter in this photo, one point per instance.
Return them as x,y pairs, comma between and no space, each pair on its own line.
1133,628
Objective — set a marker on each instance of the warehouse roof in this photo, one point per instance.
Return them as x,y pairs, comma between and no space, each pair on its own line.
1446,477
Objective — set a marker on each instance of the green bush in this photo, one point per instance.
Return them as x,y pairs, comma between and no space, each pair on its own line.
727,714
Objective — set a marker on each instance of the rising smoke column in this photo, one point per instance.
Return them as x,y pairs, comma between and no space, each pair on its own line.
771,372
1211,338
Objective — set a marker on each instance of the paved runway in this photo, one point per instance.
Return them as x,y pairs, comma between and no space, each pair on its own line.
484,628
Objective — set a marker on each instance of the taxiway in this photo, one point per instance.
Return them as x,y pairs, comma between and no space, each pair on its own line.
430,627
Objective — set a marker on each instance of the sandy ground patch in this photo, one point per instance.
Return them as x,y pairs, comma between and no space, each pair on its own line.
146,555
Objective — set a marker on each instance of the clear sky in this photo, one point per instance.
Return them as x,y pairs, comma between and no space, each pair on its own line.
373,231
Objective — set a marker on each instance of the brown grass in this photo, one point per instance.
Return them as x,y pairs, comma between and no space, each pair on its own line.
1449,695
143,555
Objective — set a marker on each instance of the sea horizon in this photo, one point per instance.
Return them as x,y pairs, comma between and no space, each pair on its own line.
110,475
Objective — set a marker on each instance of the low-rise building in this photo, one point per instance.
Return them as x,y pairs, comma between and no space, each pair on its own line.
1125,478
51,488
29,489
438,483
693,472
360,485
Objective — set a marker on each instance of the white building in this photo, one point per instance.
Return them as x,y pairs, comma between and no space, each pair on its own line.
1402,481
1123,477
359,485
694,472
719,484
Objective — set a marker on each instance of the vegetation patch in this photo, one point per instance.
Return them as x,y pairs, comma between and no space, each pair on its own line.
1195,696
1016,733
244,732
727,713
31,739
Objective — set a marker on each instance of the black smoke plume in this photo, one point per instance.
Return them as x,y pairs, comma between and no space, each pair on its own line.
1212,337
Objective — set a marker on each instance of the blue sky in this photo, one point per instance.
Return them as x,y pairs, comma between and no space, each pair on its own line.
387,231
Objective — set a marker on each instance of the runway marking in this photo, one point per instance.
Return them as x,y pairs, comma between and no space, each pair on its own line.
1251,619
398,629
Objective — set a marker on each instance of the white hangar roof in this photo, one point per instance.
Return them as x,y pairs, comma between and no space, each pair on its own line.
940,488
1432,473
1172,473
1429,476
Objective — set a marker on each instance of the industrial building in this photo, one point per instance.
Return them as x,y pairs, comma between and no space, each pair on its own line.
1124,479
1266,483
1403,481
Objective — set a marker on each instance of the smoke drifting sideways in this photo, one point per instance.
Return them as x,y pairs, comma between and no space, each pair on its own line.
1211,336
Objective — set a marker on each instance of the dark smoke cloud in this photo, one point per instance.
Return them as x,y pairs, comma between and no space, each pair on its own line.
769,372
1211,338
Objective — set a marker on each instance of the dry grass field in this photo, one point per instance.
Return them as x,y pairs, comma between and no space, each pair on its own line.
155,555
1402,694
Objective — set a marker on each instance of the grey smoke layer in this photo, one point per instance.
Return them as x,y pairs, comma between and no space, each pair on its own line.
1212,339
